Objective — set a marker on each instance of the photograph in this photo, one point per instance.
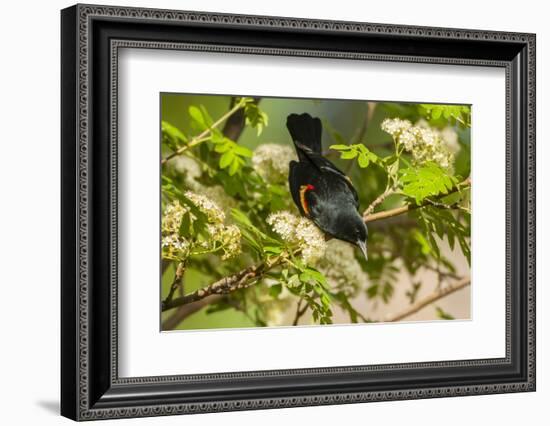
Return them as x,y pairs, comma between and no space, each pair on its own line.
281,212
265,209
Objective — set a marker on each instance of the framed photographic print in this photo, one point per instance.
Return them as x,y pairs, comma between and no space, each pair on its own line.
263,212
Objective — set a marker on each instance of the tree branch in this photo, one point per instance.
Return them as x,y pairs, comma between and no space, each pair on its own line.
186,310
380,199
409,207
435,296
241,279
226,285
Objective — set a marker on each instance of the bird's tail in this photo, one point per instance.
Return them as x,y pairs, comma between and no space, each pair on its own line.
305,131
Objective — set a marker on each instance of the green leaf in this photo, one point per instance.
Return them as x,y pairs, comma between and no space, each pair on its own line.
233,155
361,152
424,244
426,181
222,147
345,304
446,223
275,290
278,190
206,117
372,291
218,307
242,151
387,292
440,113
340,147
185,226
273,249
314,274
384,290
393,168
436,113
235,166
172,137
172,131
413,292
196,115
252,241
226,159
255,117
442,314
217,137
363,160
348,155
255,236
241,218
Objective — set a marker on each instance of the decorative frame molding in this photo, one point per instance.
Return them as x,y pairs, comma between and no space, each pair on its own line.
91,37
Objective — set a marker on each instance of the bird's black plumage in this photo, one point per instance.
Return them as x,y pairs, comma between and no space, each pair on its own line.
321,191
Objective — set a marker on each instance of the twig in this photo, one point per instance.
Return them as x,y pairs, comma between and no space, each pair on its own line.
203,135
177,282
444,274
455,206
436,295
300,311
380,199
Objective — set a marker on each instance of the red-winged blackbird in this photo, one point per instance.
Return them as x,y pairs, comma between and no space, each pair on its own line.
322,192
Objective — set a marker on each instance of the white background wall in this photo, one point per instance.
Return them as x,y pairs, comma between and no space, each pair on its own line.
29,212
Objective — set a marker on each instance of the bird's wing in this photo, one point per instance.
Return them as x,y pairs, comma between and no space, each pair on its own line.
324,165
294,179
314,192
305,186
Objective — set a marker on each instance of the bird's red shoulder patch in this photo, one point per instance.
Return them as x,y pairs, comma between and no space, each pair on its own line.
303,201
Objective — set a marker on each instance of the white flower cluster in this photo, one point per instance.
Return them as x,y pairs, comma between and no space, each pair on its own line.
271,161
341,268
299,232
187,166
174,246
217,194
450,139
221,237
191,170
207,206
395,126
274,309
423,142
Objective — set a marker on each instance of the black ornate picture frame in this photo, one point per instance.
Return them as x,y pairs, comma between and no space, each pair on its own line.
91,387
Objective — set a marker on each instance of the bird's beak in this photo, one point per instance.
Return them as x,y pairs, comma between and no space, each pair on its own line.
363,246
